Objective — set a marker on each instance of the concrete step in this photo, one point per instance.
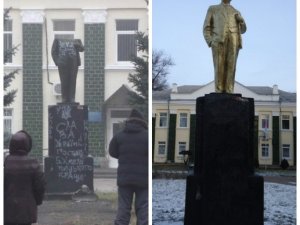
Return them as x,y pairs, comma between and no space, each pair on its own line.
107,173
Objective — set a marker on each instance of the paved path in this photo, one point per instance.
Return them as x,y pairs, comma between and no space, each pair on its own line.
281,180
105,185
105,180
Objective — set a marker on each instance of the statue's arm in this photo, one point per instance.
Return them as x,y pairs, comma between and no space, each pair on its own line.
207,27
243,27
78,45
241,22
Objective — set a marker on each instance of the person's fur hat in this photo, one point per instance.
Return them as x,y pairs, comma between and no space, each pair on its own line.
20,143
137,117
135,114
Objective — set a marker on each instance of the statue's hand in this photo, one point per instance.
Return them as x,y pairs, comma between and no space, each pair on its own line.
239,18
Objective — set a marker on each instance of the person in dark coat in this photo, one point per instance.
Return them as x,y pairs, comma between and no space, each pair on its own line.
130,147
24,183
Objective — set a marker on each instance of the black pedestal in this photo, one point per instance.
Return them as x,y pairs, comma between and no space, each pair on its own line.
222,188
68,166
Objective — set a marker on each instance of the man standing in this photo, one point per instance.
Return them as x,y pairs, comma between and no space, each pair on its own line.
130,147
222,31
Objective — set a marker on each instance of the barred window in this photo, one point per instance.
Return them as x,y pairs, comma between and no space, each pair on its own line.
126,39
161,147
265,150
64,29
163,118
286,151
265,121
7,38
183,118
285,122
182,146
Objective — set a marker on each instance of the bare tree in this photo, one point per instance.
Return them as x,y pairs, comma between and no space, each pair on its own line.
160,69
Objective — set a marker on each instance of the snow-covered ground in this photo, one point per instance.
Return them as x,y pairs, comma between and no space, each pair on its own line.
168,203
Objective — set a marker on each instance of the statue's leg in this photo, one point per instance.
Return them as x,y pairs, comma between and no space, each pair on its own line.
73,77
63,75
231,59
218,58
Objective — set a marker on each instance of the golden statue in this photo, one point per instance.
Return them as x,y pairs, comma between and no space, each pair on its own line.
222,31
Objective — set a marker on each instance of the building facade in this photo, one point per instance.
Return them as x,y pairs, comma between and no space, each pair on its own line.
107,30
174,117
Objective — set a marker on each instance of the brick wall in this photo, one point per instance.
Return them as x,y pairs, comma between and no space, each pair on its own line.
94,61
32,86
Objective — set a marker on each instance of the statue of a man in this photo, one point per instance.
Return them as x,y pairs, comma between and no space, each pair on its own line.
222,31
65,54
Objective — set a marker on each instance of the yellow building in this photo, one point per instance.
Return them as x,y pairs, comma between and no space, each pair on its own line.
107,30
174,113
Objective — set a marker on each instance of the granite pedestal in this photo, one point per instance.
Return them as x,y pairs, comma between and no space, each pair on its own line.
222,188
68,165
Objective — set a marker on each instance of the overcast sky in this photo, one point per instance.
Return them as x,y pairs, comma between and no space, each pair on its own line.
268,56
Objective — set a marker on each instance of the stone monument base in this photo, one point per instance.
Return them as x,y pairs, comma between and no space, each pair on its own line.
68,166
68,182
222,187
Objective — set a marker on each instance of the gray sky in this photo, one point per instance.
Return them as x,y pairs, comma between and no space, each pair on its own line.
268,56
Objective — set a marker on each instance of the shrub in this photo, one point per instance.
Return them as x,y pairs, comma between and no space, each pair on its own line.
284,164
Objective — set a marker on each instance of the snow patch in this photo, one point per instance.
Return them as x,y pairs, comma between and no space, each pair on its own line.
168,203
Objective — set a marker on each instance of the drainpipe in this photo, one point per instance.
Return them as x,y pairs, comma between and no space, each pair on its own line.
47,57
280,130
168,125
276,92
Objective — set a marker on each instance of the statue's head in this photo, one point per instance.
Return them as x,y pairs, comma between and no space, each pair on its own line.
226,1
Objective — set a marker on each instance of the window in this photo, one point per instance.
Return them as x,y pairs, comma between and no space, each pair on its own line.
161,147
183,118
265,150
265,121
117,127
64,29
126,39
120,113
285,122
285,151
8,39
7,126
182,146
163,119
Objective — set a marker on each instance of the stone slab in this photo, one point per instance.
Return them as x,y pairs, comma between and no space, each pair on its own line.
222,188
68,166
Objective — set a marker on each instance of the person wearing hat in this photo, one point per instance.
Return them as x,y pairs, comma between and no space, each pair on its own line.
222,31
24,183
130,147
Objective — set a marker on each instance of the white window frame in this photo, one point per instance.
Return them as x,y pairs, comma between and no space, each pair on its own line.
9,32
160,117
64,32
118,32
286,147
183,117
8,118
267,147
267,118
180,145
289,120
159,145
